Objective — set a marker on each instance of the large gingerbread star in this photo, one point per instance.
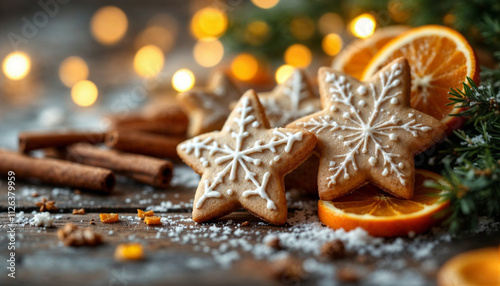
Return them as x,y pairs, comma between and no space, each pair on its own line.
209,107
291,100
368,133
244,164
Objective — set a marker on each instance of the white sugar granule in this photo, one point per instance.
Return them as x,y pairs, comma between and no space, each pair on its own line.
42,219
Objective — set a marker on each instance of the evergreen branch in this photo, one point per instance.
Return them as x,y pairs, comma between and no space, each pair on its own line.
472,158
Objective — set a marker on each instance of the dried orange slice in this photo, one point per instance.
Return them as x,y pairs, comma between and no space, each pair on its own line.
383,215
354,59
440,58
476,267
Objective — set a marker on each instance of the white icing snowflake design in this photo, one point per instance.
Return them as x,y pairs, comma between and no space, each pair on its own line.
366,130
240,156
296,90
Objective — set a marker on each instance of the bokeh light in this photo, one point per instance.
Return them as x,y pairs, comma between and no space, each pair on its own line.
449,19
16,65
84,93
298,55
108,25
265,4
302,28
283,73
208,53
330,23
244,67
399,13
363,26
148,61
73,70
332,44
156,35
208,23
257,33
183,80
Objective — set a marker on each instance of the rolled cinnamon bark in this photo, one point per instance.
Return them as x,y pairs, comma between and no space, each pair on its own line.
29,141
148,170
167,120
57,172
144,143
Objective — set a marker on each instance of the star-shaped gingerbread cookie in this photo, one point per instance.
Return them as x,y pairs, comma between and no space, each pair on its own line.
243,165
368,133
209,107
291,100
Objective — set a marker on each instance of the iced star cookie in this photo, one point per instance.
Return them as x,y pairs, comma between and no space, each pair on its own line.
209,107
290,100
243,165
368,133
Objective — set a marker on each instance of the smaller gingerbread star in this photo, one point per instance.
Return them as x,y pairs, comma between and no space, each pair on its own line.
209,107
243,165
368,133
291,100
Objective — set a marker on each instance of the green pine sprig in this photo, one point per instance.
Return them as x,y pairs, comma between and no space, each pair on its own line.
472,158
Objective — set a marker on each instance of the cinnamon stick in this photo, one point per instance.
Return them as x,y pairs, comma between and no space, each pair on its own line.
144,143
57,172
29,141
166,120
148,170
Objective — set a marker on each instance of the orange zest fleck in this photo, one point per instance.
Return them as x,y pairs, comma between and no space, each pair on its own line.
108,218
152,220
141,214
129,251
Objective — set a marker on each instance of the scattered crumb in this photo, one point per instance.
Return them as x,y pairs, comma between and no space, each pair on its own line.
245,223
333,250
288,269
77,192
72,235
78,211
347,275
274,242
34,195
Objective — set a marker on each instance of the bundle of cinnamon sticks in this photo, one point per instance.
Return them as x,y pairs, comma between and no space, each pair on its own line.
138,146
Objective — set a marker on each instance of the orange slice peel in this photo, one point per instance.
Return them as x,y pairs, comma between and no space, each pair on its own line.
440,58
383,215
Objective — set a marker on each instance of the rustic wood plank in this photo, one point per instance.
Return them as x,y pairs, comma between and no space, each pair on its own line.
186,257
126,197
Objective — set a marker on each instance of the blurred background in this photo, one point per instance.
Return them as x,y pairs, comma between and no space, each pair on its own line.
69,63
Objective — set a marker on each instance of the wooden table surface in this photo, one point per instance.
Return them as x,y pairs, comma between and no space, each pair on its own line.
183,252
179,251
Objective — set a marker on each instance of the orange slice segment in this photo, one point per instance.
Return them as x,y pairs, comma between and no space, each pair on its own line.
440,58
476,267
354,59
383,215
